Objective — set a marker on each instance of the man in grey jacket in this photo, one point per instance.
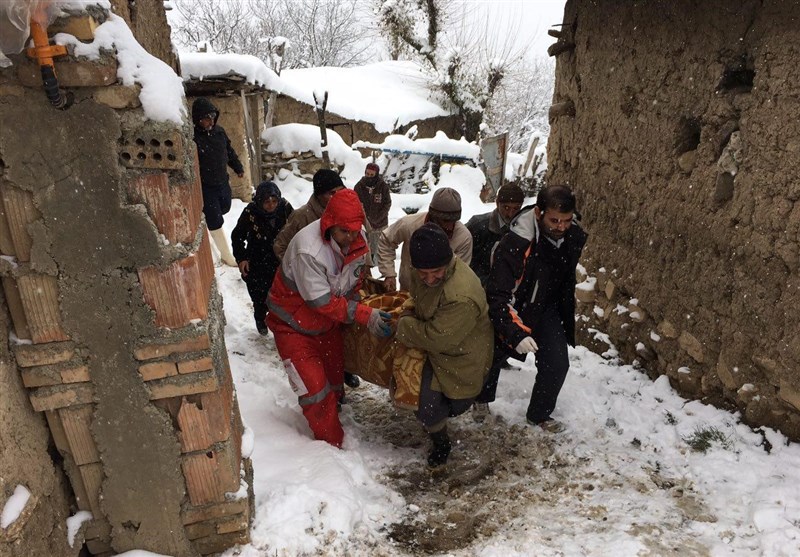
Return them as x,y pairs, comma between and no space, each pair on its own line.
444,210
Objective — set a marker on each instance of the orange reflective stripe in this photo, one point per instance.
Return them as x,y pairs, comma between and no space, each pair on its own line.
512,312
517,321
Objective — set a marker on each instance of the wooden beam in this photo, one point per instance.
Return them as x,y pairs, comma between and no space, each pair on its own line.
566,108
560,47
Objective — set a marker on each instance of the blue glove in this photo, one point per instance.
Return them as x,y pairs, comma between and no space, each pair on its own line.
378,323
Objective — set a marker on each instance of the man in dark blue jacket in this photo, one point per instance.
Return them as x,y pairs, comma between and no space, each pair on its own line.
252,240
531,295
215,155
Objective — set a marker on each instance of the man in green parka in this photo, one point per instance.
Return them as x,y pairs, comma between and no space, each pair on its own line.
451,324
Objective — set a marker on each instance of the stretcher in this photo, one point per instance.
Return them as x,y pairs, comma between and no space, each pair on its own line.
385,361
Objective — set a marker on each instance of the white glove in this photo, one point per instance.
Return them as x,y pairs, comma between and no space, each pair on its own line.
526,345
378,323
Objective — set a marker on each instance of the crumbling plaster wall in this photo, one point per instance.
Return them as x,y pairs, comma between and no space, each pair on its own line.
148,21
92,242
108,277
678,125
26,459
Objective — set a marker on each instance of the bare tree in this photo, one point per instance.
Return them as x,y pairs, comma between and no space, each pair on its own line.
520,104
320,32
468,64
315,32
227,25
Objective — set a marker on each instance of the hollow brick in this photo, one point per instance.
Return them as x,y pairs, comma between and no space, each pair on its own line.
61,396
158,370
39,295
172,207
29,355
211,474
182,385
151,351
193,366
20,212
179,294
77,427
16,309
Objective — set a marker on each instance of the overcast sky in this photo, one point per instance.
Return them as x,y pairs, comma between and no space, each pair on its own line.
526,20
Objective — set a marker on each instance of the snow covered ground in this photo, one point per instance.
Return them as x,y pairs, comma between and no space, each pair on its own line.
623,480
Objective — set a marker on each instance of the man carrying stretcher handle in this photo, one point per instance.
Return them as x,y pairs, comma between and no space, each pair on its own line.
314,293
451,324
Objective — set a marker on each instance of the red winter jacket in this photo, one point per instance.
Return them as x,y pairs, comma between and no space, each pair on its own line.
317,285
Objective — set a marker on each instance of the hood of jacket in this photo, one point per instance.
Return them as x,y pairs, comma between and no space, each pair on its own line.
344,210
202,106
265,190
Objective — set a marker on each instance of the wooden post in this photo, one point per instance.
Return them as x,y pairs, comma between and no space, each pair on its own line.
529,158
320,106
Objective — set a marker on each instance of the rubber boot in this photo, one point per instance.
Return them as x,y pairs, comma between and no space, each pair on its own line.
440,450
224,250
351,380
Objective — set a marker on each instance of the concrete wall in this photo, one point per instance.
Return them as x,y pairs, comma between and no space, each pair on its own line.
678,125
108,282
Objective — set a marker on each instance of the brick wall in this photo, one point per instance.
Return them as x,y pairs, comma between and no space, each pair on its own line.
117,324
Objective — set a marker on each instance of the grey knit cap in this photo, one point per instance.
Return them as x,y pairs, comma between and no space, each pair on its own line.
445,205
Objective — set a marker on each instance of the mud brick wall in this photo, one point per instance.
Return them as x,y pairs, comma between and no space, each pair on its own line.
678,125
115,329
292,111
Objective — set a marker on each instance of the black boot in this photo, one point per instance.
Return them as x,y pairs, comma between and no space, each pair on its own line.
261,325
351,380
441,449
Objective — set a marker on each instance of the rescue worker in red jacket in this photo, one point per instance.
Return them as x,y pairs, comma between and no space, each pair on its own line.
315,291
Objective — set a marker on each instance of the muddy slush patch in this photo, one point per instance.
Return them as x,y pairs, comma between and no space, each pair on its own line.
501,478
485,484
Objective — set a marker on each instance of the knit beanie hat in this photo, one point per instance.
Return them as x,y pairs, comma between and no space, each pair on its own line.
445,205
373,166
510,193
326,180
430,247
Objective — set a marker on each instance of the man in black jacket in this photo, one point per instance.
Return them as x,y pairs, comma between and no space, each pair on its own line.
215,154
531,294
252,240
488,228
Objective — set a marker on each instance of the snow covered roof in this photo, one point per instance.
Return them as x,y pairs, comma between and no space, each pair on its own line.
211,66
385,94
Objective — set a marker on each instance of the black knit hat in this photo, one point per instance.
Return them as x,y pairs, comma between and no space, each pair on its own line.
326,180
430,247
